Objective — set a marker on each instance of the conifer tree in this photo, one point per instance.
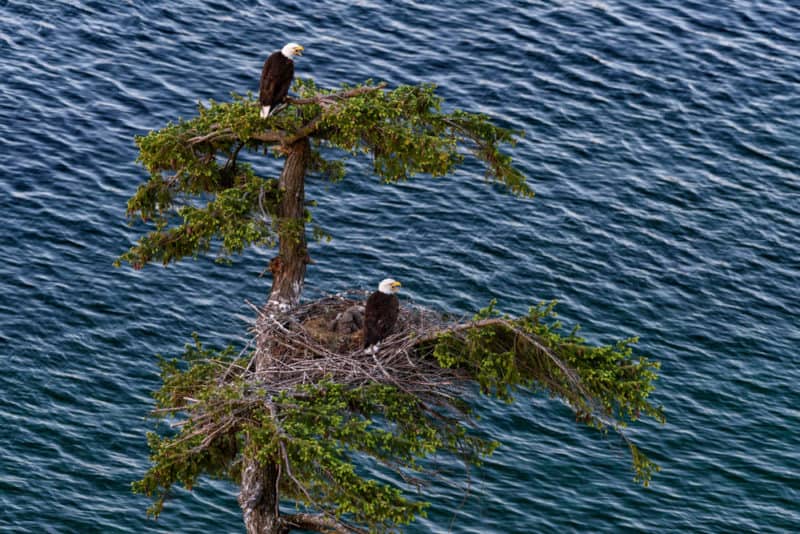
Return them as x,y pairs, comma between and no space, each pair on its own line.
297,444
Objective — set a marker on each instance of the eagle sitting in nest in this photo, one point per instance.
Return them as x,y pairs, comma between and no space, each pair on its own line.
375,320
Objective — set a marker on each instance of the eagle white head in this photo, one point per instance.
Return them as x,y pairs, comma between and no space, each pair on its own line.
389,286
292,49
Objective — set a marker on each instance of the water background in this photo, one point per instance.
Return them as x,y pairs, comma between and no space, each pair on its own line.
662,140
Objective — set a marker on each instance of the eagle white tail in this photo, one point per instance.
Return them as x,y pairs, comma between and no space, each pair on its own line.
264,112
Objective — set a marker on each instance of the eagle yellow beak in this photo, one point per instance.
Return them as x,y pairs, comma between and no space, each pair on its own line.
396,284
299,50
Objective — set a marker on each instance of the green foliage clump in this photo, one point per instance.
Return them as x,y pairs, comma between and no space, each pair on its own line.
193,164
315,432
406,133
236,217
189,385
605,385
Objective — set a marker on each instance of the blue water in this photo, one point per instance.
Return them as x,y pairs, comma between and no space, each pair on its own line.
662,138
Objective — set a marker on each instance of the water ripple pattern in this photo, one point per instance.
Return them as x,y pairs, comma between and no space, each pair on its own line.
662,140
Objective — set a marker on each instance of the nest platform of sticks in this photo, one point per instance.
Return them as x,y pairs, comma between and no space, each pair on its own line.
323,339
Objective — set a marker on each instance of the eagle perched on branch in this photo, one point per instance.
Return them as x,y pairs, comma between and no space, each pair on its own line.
276,77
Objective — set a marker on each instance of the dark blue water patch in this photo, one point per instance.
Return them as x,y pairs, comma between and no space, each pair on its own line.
661,139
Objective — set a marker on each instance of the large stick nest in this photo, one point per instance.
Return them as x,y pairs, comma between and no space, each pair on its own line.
323,340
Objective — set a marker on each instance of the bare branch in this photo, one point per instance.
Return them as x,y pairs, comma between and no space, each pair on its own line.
214,133
318,523
329,99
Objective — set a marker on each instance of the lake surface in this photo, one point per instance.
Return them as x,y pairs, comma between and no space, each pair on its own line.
663,141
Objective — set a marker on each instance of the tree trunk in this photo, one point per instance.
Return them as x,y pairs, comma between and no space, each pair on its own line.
259,497
289,267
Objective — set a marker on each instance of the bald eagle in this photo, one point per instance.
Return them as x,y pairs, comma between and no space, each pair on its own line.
276,77
381,312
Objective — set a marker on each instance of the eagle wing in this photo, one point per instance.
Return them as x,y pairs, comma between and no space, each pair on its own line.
276,77
379,317
268,79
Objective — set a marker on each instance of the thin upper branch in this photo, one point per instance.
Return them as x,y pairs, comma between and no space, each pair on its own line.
227,134
330,98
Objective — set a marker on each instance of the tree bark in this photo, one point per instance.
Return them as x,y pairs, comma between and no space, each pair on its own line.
289,267
259,497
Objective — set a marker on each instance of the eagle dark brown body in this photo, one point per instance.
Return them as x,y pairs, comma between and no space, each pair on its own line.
276,78
379,317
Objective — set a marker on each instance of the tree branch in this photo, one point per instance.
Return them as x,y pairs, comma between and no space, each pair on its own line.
318,523
535,341
270,136
304,131
227,134
331,98
212,135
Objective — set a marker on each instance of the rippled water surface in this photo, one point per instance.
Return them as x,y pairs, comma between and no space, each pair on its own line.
662,140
